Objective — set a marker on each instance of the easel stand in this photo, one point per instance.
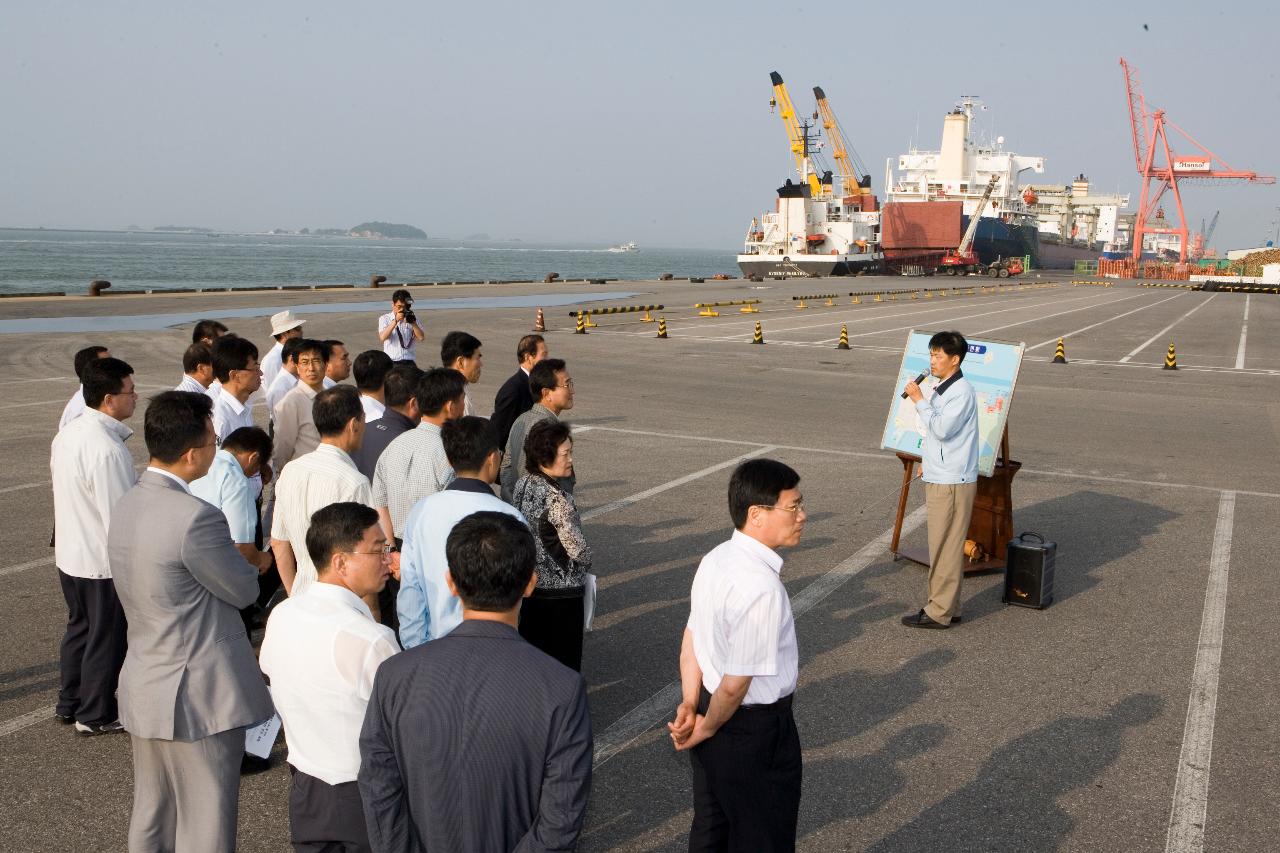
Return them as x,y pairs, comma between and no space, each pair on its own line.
992,523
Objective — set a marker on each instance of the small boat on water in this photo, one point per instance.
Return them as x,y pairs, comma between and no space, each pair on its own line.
625,247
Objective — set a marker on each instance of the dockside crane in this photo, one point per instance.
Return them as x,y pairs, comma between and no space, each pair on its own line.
1200,244
797,135
1151,138
852,174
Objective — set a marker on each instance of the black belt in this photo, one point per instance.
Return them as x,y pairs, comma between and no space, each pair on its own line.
781,706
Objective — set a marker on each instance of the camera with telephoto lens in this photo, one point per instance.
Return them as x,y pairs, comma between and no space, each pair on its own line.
409,316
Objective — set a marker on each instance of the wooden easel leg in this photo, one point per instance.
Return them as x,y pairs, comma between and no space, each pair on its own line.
908,467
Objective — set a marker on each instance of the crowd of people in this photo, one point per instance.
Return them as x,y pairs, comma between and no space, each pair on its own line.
423,636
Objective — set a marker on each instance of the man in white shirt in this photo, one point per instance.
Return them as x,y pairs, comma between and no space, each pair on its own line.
197,370
235,364
427,608
284,325
229,486
295,429
738,669
461,351
75,406
400,330
414,464
287,376
92,469
371,368
321,651
325,476
338,366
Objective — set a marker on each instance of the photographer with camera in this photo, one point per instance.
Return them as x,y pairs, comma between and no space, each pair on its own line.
400,330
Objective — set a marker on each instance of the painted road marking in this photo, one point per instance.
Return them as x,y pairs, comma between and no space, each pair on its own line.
1054,339
622,503
22,567
1047,316
17,724
775,330
884,456
1191,790
24,486
1162,332
662,705
1244,333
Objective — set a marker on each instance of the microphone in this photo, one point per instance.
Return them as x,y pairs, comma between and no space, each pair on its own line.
917,380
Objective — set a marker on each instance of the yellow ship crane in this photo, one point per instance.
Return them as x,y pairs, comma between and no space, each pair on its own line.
795,134
850,176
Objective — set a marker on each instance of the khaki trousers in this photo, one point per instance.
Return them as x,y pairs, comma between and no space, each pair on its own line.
949,508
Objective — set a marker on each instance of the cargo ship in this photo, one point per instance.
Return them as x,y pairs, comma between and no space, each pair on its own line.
931,195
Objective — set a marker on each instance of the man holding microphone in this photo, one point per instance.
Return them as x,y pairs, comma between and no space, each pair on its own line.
949,468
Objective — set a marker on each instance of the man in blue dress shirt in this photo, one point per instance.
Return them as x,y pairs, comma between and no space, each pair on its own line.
427,608
949,468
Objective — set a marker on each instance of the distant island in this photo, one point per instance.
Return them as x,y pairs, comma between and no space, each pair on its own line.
387,229
183,229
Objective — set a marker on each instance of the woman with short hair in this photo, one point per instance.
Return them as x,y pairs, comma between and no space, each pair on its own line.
552,618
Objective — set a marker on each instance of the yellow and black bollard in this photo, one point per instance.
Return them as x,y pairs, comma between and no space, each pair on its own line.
580,328
662,327
758,338
1060,354
1170,358
857,300
879,298
844,337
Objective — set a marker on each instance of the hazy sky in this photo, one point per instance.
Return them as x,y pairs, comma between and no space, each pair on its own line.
586,122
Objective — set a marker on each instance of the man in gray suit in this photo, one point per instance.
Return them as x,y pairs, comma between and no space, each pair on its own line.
478,741
190,684
552,390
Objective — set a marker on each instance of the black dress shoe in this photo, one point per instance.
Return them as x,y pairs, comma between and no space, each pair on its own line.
64,719
252,764
922,620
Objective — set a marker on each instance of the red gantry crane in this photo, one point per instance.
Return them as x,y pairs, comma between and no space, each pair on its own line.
1151,138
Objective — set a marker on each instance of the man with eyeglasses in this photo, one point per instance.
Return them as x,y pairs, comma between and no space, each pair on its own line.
92,470
295,429
321,651
738,669
235,364
552,388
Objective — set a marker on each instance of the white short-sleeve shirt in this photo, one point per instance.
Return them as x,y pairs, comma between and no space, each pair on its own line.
740,616
400,345
321,651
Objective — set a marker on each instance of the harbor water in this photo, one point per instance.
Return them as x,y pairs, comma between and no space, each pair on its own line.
43,261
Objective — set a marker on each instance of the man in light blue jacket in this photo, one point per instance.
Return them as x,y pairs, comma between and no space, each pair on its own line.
949,468
426,607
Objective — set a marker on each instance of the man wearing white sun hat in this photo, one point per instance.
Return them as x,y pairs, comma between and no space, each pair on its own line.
284,325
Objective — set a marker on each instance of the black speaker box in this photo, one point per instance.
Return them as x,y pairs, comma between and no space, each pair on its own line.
1028,571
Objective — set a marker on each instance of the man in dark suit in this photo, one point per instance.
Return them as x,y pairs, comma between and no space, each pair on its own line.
190,683
478,741
514,397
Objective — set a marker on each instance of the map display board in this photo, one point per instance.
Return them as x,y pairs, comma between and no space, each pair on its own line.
991,368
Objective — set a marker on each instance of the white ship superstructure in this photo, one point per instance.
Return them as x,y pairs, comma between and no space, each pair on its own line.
961,169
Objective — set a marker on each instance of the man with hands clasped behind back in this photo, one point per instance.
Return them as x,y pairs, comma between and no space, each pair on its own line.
738,669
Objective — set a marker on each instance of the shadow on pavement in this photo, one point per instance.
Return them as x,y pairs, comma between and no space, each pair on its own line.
1013,804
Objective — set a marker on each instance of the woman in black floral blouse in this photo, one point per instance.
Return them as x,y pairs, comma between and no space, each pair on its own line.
551,618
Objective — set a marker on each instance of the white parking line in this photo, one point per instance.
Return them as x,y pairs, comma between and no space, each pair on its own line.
22,567
662,705
1054,339
24,486
1162,332
774,330
1244,334
883,455
1059,313
30,718
621,503
1191,790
